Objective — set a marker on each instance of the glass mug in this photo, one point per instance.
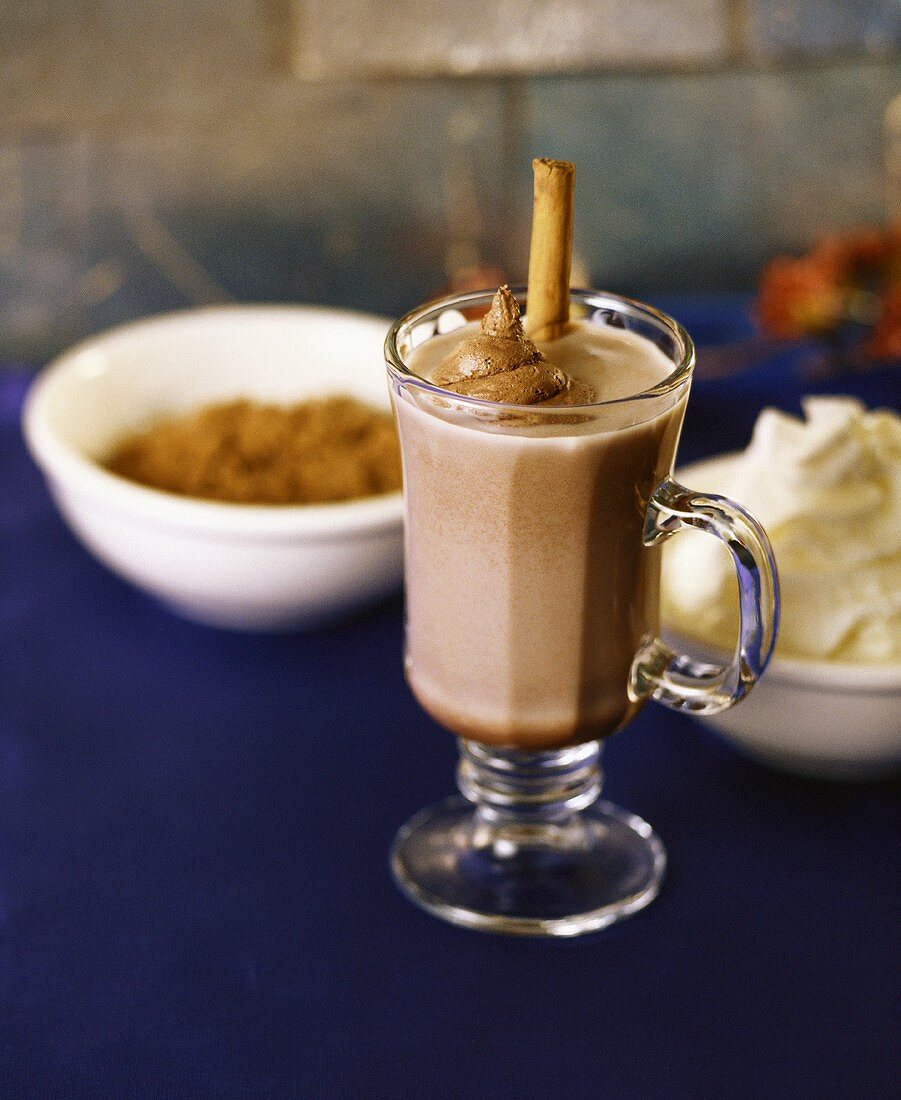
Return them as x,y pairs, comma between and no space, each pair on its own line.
532,573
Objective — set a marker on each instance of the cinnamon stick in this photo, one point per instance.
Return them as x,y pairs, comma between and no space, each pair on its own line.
550,252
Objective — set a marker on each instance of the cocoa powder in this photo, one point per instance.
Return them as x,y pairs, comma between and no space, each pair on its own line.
317,451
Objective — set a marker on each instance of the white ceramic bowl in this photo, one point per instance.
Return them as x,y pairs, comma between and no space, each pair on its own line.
818,718
821,718
249,567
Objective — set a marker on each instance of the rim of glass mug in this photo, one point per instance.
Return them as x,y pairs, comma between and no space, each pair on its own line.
430,312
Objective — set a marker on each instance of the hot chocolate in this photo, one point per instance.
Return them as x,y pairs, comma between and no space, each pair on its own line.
538,493
528,587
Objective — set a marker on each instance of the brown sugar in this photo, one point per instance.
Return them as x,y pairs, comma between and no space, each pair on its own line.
320,450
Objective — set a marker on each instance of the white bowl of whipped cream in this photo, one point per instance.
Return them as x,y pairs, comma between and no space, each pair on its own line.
827,489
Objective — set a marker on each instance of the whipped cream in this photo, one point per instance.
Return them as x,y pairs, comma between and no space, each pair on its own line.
827,490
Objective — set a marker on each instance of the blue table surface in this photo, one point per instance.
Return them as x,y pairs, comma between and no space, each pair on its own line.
194,892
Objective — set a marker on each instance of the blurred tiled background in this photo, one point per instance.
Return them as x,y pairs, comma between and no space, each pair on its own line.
160,152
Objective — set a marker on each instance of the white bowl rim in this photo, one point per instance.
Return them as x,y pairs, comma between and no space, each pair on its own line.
67,466
805,671
844,675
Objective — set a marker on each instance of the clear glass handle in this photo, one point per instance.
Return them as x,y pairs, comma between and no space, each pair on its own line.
679,681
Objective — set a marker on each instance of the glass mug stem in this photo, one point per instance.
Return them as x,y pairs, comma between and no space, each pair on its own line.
681,682
507,784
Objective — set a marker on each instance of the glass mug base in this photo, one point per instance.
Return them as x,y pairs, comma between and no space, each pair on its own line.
529,851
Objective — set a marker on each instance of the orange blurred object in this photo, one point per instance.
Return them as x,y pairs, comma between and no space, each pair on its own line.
800,297
885,341
847,279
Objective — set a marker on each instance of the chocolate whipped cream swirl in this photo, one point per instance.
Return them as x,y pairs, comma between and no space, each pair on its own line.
501,363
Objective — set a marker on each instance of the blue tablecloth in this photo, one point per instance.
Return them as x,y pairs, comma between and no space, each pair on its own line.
194,891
